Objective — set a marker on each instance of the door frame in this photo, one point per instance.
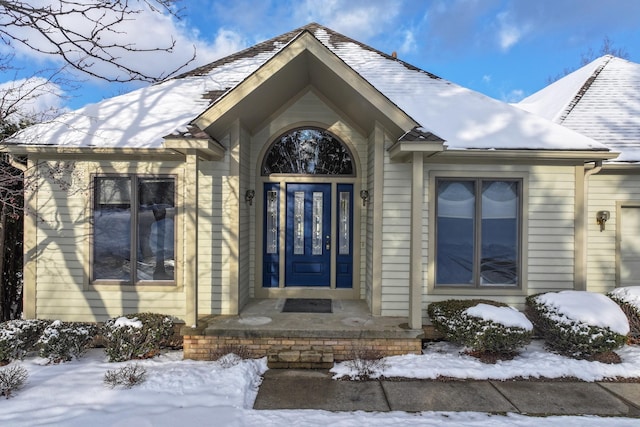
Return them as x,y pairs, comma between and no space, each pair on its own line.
620,205
306,292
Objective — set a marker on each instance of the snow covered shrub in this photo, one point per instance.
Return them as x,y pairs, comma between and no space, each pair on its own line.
11,379
18,337
485,327
137,336
578,324
365,362
127,376
62,341
232,354
628,298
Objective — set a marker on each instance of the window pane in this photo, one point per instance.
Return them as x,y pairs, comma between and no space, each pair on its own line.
316,234
298,223
499,242
308,151
455,232
272,222
344,237
156,215
112,229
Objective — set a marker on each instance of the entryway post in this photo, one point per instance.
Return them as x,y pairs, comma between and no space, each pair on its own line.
415,272
191,240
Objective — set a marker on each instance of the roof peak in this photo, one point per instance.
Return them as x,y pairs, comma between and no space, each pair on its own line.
267,45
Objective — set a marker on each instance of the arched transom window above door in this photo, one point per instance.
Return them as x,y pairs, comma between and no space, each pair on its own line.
308,151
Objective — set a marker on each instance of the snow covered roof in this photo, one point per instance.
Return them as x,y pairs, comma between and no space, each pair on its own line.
464,119
600,100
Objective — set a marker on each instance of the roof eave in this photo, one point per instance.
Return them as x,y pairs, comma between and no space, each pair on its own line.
206,148
526,154
46,150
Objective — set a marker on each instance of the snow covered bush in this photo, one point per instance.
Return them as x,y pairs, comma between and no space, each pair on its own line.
18,337
578,324
62,341
628,298
137,336
485,327
127,376
230,355
365,363
11,379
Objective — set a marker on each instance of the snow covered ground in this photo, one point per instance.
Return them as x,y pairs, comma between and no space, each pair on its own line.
187,393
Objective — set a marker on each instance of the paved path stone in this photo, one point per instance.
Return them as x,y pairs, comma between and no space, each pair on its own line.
286,389
315,389
414,396
561,398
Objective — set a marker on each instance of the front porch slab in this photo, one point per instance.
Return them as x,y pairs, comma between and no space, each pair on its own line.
262,326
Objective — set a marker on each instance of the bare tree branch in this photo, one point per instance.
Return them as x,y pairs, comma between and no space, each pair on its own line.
84,34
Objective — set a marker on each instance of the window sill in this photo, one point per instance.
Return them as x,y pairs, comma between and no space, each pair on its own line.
151,287
484,292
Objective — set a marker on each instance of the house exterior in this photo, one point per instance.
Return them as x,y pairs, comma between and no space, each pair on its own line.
309,165
602,101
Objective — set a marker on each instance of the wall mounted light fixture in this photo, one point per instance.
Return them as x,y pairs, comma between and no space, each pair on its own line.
364,195
249,195
601,218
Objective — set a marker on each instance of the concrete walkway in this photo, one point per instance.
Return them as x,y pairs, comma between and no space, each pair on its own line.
309,389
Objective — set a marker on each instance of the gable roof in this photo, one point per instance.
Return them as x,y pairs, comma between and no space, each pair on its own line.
600,100
463,118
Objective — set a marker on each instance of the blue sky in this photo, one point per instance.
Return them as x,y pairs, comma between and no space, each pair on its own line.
505,49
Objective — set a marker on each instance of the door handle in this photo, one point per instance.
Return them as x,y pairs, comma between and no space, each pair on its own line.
327,243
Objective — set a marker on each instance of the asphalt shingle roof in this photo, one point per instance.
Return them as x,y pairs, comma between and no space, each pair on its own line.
463,118
600,100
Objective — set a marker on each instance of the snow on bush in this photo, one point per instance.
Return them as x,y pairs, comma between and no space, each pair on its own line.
127,376
628,298
137,336
578,324
18,337
62,341
12,378
481,325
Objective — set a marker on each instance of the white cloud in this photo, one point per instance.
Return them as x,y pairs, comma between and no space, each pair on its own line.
360,19
409,44
35,99
513,96
159,42
509,32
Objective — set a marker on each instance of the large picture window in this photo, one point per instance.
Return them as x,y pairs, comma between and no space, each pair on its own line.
478,232
133,229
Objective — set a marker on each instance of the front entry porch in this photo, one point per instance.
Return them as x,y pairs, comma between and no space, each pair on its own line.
262,327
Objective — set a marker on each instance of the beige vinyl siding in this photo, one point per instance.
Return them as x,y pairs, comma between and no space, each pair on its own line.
245,272
210,239
551,237
63,252
369,230
607,191
396,237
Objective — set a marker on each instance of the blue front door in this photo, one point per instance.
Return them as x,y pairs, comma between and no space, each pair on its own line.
317,241
308,235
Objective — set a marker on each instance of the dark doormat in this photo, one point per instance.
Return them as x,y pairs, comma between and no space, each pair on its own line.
307,305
